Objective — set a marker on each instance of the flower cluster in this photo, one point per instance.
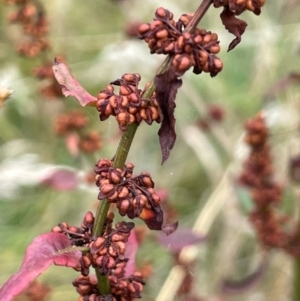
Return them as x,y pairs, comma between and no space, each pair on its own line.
76,122
35,27
271,227
31,16
129,106
238,6
44,72
197,49
107,255
134,195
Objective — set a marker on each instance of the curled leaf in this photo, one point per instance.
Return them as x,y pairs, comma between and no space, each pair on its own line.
41,253
233,25
167,85
70,86
153,217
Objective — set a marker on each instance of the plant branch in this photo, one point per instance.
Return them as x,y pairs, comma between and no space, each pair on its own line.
200,12
126,141
119,161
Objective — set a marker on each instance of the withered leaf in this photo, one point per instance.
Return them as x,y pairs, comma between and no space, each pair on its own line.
233,25
70,86
153,217
257,7
167,85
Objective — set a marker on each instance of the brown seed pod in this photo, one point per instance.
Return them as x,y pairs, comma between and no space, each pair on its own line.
107,189
56,229
214,49
123,206
99,242
161,34
161,12
111,263
89,218
143,28
112,252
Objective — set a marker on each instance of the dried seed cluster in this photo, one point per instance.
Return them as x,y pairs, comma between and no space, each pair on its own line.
79,236
271,227
125,289
197,50
238,6
51,89
69,122
35,27
76,121
107,255
133,195
129,106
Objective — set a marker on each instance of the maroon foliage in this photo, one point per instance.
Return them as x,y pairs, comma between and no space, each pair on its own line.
167,85
41,253
233,25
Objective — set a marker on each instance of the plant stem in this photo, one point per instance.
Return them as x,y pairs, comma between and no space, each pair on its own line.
126,140
200,12
119,161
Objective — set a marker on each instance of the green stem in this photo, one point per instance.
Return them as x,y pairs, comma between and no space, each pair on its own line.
198,15
125,143
119,161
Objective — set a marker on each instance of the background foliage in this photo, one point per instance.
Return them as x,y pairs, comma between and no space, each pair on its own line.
91,35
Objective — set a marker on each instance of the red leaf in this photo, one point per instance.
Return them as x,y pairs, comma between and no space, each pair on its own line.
130,253
70,86
180,239
233,25
61,179
167,85
41,253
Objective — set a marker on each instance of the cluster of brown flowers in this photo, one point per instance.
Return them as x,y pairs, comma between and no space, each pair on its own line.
107,255
238,6
76,122
44,72
197,49
273,230
129,106
31,16
215,114
134,195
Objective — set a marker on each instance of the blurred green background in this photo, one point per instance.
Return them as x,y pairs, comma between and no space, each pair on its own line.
91,35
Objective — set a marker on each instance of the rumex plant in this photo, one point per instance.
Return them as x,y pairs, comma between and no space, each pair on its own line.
99,243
